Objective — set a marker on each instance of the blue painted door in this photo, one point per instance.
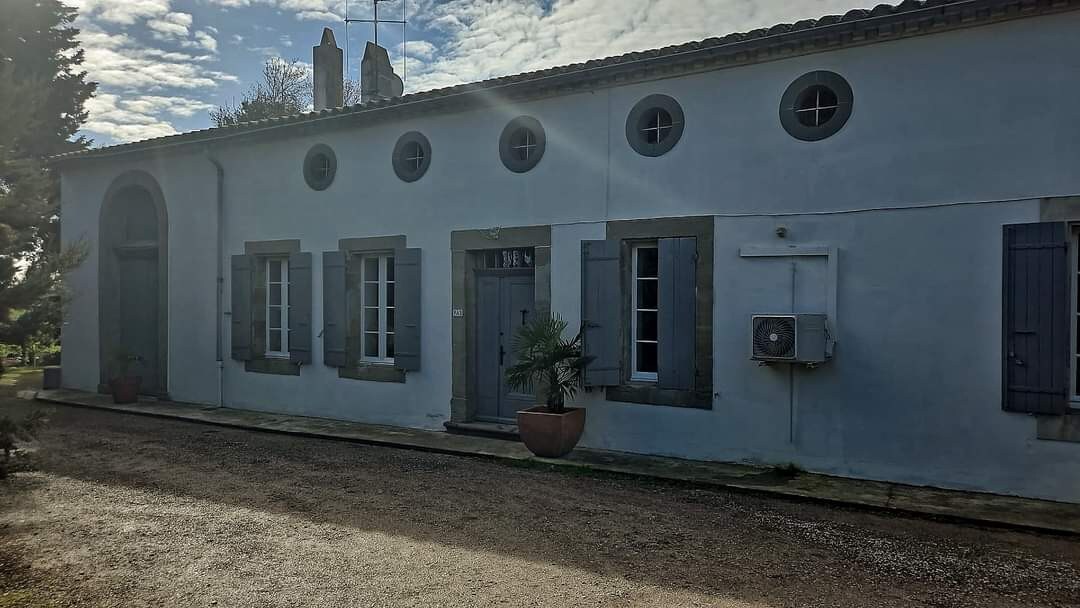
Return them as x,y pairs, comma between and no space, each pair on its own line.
137,299
504,303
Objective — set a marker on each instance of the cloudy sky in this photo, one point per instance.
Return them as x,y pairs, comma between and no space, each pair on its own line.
163,64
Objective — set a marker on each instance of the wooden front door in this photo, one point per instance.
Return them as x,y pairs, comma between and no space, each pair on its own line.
136,299
505,301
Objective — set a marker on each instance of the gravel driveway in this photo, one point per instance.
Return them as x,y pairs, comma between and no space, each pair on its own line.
133,511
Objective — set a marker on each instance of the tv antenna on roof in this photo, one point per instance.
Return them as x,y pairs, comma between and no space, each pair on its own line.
375,22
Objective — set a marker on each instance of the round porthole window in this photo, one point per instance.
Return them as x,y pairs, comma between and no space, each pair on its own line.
412,156
816,106
320,165
522,143
654,125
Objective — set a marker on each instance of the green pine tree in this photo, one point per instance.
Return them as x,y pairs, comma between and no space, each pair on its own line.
42,98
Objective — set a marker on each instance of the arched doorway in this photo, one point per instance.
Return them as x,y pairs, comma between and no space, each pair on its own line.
133,279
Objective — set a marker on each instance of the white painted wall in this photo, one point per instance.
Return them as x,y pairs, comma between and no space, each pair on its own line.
914,391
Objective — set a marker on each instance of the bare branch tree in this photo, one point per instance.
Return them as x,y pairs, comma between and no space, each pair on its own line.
285,89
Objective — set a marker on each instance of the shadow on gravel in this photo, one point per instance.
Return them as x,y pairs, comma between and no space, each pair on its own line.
710,542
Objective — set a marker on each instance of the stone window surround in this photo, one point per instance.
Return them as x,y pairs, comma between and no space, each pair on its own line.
1065,427
314,181
702,229
639,113
506,141
789,119
362,370
271,365
465,247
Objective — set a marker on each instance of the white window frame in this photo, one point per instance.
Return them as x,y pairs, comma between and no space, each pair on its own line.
381,304
635,375
283,312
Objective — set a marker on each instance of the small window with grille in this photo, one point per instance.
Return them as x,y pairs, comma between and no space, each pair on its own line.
320,166
412,156
655,125
522,144
815,106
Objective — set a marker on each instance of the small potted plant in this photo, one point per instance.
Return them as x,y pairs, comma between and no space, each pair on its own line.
547,360
122,382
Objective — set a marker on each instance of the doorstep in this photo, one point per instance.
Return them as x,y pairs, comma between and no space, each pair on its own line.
494,430
971,507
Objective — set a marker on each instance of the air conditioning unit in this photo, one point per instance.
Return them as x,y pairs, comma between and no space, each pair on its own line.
792,338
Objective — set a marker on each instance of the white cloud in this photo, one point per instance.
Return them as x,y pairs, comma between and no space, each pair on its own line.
202,40
302,10
125,12
171,25
118,61
125,118
479,40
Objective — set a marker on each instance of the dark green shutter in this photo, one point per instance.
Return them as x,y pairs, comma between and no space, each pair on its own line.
334,317
407,308
677,313
1036,319
300,307
242,268
601,312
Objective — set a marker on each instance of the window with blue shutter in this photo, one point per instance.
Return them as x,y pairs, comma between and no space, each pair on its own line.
601,312
407,308
677,306
334,308
299,304
1036,318
647,311
241,278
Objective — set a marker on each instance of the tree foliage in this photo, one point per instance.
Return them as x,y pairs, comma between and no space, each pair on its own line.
285,89
42,104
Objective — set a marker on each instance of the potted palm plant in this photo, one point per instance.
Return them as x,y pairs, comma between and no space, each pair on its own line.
554,364
122,382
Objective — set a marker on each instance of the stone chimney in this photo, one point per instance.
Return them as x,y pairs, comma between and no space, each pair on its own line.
327,62
377,77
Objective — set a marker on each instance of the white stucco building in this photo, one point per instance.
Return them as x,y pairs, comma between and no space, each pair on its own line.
909,172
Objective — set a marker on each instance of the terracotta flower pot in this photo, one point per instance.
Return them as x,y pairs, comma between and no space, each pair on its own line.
125,390
548,434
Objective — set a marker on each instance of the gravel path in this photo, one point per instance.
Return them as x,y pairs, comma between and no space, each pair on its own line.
132,511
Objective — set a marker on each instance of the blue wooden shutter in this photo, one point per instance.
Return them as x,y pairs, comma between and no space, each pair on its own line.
1036,318
242,269
300,307
407,309
601,312
334,315
677,313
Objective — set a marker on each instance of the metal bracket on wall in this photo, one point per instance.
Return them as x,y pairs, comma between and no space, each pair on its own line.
832,261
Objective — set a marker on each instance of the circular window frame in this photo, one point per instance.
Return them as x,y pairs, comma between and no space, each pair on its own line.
845,102
506,142
314,181
405,172
638,118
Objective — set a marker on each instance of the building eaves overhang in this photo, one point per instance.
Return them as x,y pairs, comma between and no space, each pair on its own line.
856,27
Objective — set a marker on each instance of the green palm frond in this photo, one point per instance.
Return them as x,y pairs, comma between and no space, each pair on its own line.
547,359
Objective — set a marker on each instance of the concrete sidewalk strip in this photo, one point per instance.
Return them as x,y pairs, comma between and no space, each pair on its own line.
989,509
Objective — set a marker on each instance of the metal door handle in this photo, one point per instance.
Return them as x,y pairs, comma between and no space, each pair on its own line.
502,354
